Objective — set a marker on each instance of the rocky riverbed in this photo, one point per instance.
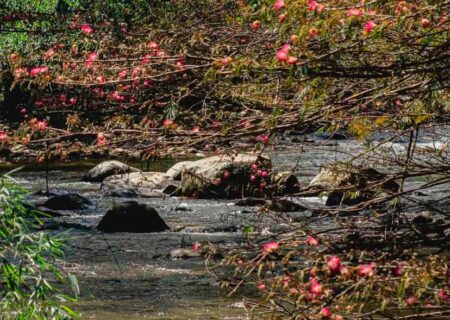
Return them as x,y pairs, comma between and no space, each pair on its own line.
135,276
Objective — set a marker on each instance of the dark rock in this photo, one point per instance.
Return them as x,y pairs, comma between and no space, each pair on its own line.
171,190
283,205
69,201
107,169
251,202
337,198
230,228
133,217
422,220
183,207
283,183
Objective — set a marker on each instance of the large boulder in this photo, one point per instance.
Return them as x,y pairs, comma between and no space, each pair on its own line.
133,217
69,201
364,181
226,176
107,169
138,184
176,170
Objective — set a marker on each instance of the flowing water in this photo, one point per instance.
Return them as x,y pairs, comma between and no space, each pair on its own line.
132,276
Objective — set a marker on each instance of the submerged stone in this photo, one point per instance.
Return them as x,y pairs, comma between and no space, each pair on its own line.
71,201
107,169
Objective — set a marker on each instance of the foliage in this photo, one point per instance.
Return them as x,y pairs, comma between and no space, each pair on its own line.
176,74
28,262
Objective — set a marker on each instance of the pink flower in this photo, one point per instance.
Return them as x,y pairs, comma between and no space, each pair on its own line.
271,247
196,129
146,59
262,173
398,271
117,96
87,29
425,22
101,139
344,271
282,55
443,295
123,74
73,101
411,301
41,125
215,124
319,8
354,12
312,241
325,312
196,246
370,25
316,288
286,280
278,5
154,46
366,270
91,57
167,123
261,286
293,291
315,6
254,166
135,72
252,178
23,111
3,136
226,61
265,138
255,25
38,70
101,79
226,174
334,263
